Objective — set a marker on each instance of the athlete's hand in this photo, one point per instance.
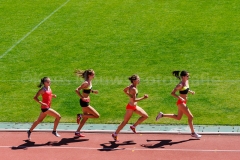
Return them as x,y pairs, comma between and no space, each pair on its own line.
44,104
95,91
192,92
182,99
145,96
86,99
54,96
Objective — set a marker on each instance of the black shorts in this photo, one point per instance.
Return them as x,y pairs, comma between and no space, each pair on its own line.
83,104
45,109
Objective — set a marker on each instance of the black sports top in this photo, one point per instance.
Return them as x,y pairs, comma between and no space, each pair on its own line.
88,89
184,90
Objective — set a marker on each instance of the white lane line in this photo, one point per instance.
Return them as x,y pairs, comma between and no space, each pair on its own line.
20,40
136,149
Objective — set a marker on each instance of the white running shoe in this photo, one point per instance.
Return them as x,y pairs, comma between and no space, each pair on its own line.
198,136
160,115
55,134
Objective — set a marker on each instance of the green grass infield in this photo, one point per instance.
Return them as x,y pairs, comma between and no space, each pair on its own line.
118,38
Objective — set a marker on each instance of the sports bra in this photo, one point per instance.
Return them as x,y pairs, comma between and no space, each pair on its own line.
184,90
88,89
136,93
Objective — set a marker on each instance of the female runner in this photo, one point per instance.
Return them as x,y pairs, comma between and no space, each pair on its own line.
47,95
132,107
183,88
86,87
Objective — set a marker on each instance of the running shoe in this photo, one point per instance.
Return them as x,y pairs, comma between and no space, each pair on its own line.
79,116
78,134
29,134
55,133
196,135
160,115
133,129
114,136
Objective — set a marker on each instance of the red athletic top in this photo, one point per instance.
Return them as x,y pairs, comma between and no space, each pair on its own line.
46,98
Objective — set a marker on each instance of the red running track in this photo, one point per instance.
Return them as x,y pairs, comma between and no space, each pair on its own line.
45,146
